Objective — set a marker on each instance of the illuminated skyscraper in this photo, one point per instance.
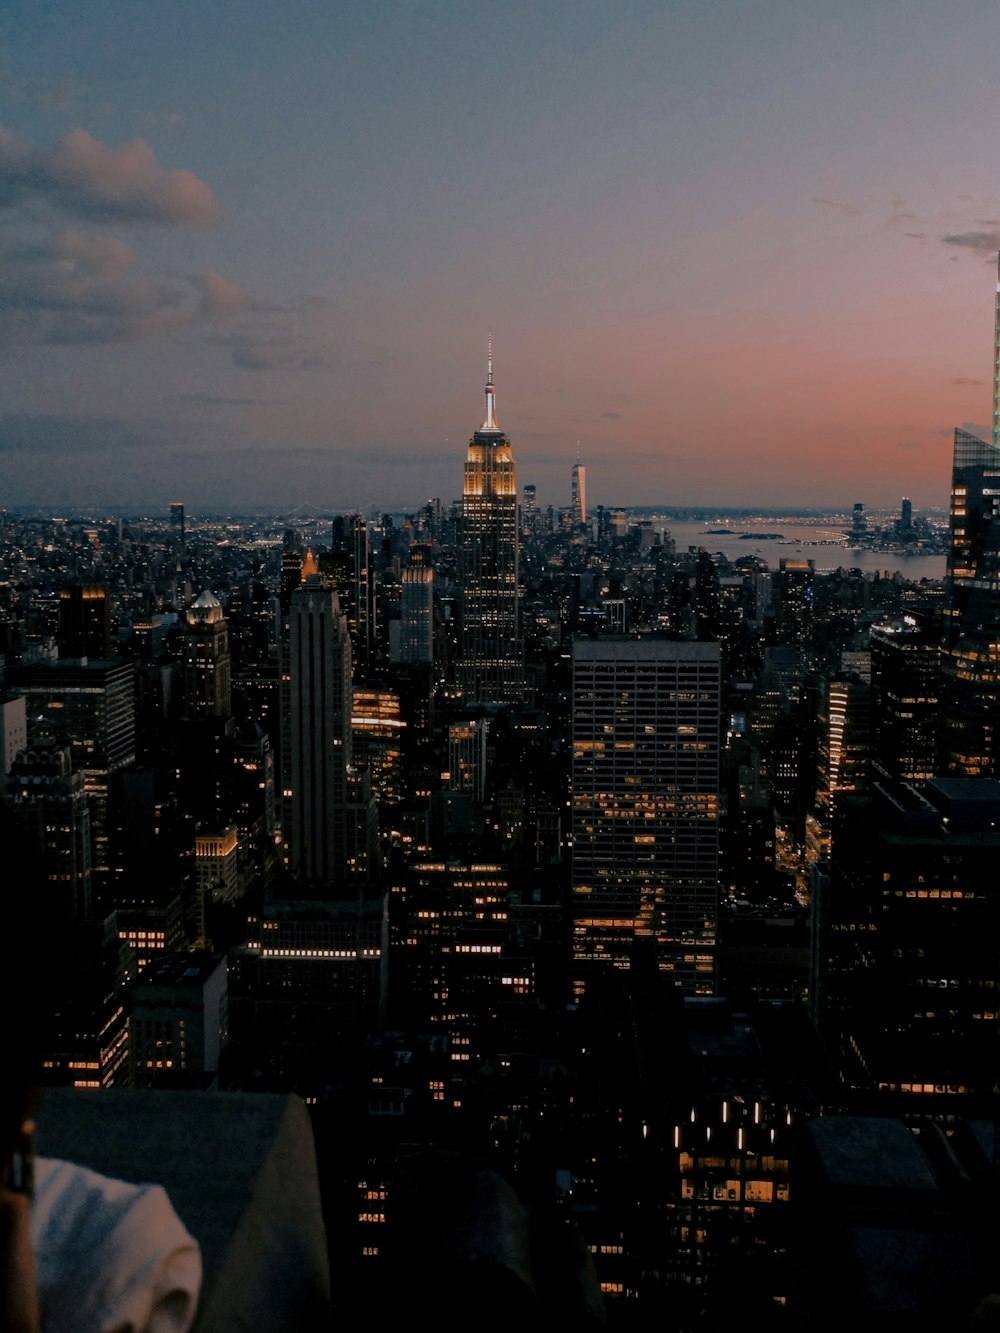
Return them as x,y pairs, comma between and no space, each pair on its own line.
645,795
348,565
491,669
416,614
970,661
970,694
206,659
579,495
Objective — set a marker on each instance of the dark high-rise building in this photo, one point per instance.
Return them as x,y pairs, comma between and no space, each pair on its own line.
91,708
905,528
970,694
206,659
416,616
645,800
47,797
529,510
906,933
578,501
348,565
906,658
796,590
85,621
491,667
320,740
177,522
291,576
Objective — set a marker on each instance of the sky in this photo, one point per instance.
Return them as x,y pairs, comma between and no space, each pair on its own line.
733,252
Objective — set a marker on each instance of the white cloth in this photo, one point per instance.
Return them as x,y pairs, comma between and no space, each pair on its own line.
112,1257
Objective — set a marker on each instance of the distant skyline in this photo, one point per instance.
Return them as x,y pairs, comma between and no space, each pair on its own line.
736,255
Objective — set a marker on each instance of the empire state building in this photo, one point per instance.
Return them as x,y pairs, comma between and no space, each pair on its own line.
490,668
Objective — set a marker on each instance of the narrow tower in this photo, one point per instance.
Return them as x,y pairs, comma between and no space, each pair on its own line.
579,494
320,671
490,670
970,661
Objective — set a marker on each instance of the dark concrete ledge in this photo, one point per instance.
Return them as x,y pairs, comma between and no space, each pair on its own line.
240,1170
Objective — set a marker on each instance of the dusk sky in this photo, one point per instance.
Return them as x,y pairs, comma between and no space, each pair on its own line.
731,251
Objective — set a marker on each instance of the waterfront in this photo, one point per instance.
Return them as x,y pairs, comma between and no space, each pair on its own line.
821,542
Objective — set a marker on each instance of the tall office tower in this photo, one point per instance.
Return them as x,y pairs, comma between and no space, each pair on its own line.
85,621
416,615
905,934
177,1022
906,520
859,523
47,797
320,671
467,756
529,510
91,708
292,557
348,564
177,523
844,725
378,728
645,802
796,588
905,680
206,659
970,659
491,666
578,501
457,968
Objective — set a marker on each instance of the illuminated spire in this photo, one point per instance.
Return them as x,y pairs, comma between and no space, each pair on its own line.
996,365
309,565
490,422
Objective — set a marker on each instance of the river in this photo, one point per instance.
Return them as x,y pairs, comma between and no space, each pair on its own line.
824,545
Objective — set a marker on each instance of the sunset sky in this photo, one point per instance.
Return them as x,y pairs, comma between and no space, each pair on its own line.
731,251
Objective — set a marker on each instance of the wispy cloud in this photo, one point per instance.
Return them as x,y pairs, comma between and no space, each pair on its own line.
76,288
612,416
214,400
285,352
86,178
985,243
850,209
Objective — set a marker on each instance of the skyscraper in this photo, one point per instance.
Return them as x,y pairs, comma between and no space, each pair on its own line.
348,565
320,689
206,659
645,798
906,660
416,614
970,659
490,669
970,648
177,522
85,621
579,495
905,935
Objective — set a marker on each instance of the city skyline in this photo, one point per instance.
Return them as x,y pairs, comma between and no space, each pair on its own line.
740,257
